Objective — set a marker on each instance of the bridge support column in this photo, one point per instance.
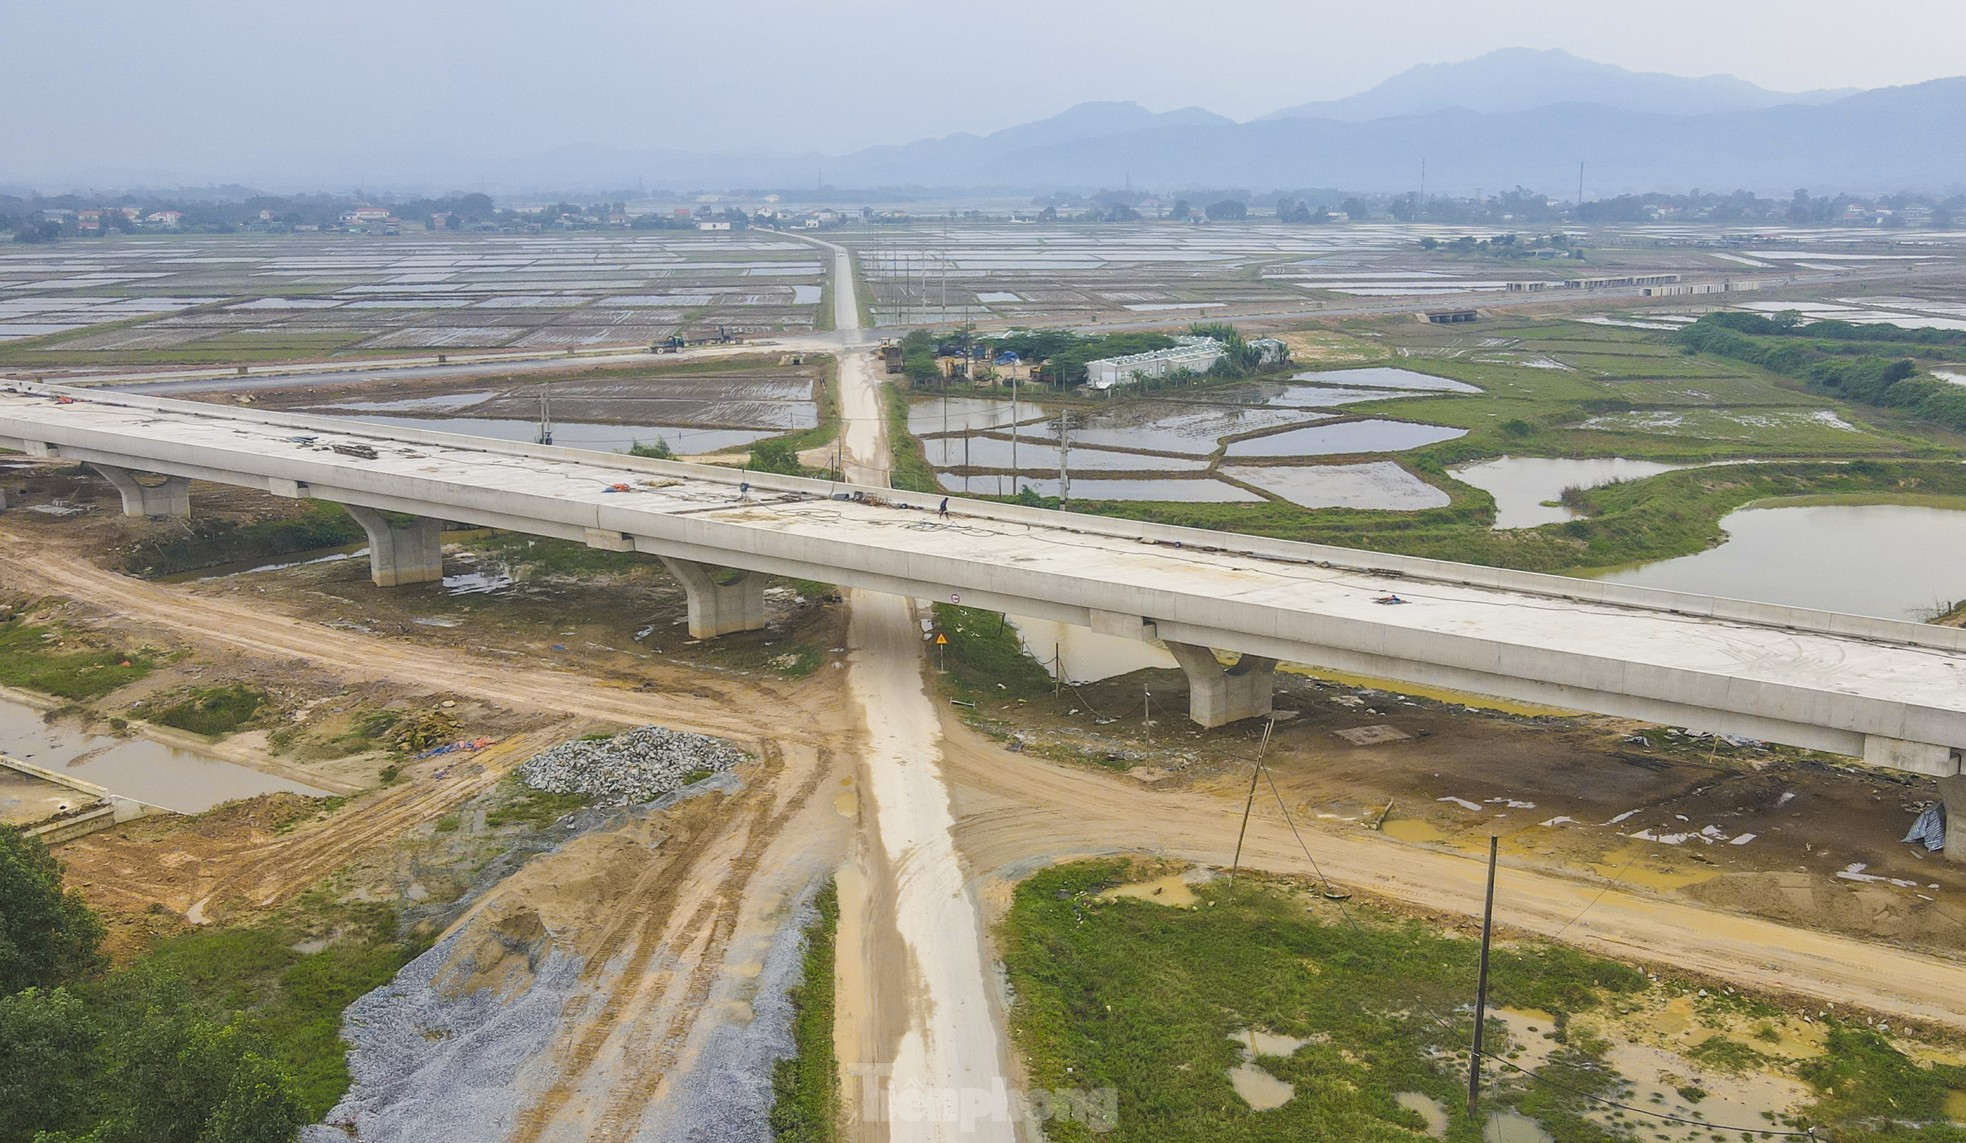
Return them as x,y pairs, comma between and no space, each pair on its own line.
1952,791
171,498
719,608
400,556
1219,696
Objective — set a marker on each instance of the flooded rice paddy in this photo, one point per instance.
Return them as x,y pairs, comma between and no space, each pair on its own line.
1346,438
135,768
1525,488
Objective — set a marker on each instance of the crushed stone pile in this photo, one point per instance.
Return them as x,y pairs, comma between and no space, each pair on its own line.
638,766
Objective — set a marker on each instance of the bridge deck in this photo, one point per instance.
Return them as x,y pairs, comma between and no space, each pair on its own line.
1781,679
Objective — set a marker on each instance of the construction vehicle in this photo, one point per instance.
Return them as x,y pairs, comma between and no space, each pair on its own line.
891,354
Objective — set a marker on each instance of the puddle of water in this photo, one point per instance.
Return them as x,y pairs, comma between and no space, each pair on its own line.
437,403
1176,893
1531,1036
1381,484
1512,1127
1726,1099
1258,1088
135,768
488,580
1521,485
1411,829
846,804
1827,557
1350,437
1085,655
1427,1108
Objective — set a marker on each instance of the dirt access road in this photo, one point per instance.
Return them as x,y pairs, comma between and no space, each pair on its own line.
919,1025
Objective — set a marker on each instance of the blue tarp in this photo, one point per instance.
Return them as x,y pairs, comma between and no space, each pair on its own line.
1930,827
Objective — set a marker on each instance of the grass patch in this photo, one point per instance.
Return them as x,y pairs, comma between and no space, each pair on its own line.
210,711
805,1088
538,555
520,804
205,542
1143,999
908,467
985,657
53,661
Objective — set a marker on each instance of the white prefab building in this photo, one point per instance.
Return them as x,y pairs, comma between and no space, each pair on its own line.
1194,354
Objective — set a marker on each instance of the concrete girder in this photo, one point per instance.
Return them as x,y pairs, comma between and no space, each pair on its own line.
399,556
171,498
719,608
1217,695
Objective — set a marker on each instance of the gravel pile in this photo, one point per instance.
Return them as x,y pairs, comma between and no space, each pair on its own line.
638,766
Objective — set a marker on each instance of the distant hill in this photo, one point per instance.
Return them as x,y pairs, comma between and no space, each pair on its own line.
1509,118
1523,79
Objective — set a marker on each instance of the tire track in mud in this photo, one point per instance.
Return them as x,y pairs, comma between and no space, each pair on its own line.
641,1017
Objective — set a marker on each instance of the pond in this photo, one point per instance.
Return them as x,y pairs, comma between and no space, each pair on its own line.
135,768
1893,561
1521,485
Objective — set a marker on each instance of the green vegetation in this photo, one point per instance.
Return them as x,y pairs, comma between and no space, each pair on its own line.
805,1088
776,455
535,809
204,541
48,659
985,656
1867,363
529,556
1144,1000
218,1035
658,449
908,467
209,711
47,937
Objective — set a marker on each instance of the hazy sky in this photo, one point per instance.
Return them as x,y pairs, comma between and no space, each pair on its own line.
221,89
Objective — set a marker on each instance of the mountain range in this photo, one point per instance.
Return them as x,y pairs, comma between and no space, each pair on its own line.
1515,117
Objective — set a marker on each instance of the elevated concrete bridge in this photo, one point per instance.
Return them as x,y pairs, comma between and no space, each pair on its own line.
1891,693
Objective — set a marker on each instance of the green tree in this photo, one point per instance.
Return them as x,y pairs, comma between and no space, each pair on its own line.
47,937
775,456
1227,210
183,1080
47,1062
657,449
1182,211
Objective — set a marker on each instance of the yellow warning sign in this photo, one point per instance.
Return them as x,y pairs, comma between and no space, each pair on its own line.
940,638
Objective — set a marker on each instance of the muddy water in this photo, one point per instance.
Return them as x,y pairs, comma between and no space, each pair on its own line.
1522,485
1427,1108
1258,1088
1893,561
135,768
1510,1127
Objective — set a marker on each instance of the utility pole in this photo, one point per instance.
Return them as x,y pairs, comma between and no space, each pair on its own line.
1064,458
546,413
1580,183
1014,473
1481,983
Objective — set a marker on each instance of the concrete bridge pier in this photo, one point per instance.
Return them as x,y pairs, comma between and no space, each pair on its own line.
170,498
1952,791
1217,695
400,556
719,608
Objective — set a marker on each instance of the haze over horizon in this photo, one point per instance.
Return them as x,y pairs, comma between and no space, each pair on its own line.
234,92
